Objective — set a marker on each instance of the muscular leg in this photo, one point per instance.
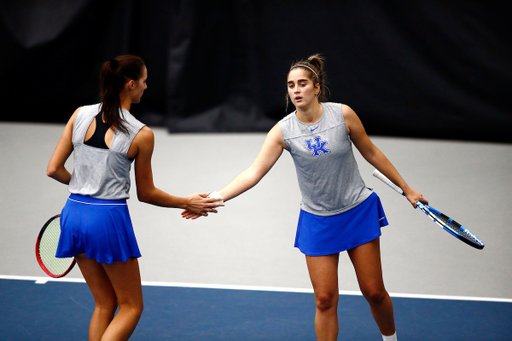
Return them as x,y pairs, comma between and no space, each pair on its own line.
125,279
323,271
103,293
113,285
367,264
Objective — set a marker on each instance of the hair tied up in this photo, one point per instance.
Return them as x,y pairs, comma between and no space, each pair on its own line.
114,64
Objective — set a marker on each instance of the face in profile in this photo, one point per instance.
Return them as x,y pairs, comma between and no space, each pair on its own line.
139,87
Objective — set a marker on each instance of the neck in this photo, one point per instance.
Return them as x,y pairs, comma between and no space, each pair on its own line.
126,102
310,114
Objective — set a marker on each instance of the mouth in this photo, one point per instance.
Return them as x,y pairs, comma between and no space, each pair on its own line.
298,99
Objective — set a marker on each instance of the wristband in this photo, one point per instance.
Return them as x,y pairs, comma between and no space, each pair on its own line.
216,195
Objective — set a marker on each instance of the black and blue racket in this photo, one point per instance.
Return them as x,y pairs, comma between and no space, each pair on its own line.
447,223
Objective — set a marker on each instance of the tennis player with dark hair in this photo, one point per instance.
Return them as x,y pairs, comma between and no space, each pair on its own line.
338,212
95,222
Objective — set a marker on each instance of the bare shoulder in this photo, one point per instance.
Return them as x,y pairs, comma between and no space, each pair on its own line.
145,137
352,121
275,135
276,130
73,117
143,143
145,133
347,111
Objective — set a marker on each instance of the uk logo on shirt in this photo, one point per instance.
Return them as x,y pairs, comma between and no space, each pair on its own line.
318,146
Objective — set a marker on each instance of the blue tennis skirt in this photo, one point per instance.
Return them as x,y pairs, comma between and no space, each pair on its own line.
102,229
320,236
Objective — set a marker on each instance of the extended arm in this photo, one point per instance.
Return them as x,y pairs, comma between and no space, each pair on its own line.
142,147
270,152
375,157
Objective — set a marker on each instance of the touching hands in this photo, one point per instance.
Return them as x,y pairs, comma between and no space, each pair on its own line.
200,204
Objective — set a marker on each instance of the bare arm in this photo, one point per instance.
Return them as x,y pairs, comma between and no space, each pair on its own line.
375,157
270,152
56,167
142,146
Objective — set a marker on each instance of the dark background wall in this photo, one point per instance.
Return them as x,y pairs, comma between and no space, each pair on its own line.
436,69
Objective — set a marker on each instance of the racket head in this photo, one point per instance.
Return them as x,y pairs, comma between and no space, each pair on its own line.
451,226
46,248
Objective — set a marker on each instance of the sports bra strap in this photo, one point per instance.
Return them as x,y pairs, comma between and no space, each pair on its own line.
98,138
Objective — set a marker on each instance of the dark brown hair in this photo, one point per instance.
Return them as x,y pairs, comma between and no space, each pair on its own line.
115,73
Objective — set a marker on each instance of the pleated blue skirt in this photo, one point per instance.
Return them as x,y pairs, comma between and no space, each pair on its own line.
320,235
102,229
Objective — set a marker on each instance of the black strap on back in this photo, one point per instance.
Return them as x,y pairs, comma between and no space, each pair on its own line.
98,138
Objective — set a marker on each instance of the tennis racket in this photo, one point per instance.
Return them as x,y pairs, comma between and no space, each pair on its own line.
447,223
46,247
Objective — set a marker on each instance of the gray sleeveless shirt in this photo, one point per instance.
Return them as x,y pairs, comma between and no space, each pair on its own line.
102,173
328,175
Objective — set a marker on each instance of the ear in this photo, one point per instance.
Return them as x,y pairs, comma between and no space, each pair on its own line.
317,88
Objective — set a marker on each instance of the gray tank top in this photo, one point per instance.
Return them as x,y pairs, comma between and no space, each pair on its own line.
328,175
102,173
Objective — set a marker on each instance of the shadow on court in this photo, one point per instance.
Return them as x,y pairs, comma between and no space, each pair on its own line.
61,311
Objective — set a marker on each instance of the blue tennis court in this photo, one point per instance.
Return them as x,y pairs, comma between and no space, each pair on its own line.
60,311
236,275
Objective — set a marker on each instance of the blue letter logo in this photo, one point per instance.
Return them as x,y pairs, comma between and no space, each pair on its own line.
318,147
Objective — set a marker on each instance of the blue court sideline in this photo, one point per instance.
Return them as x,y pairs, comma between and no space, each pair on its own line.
61,311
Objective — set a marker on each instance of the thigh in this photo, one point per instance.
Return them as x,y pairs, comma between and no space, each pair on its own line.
323,271
125,280
97,280
367,264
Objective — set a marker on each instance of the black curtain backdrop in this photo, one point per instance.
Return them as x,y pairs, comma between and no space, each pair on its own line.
429,69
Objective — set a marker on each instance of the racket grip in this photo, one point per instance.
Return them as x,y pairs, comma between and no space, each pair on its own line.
388,182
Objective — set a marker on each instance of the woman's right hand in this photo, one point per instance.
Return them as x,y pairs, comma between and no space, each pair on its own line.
200,204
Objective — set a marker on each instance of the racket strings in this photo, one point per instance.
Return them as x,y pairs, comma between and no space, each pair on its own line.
48,248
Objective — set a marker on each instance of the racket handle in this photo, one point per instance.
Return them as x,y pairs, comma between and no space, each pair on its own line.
388,182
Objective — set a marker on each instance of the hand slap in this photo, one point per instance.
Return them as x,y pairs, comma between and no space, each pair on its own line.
210,201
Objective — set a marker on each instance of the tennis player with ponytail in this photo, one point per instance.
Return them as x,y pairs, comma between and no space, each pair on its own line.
96,227
338,212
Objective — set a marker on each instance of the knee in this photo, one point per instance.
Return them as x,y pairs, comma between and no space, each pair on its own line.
375,296
107,304
135,308
326,300
139,309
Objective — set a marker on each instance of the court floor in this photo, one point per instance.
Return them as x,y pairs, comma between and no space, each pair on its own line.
248,246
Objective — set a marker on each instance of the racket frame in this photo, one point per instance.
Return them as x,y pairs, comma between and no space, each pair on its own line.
433,214
38,256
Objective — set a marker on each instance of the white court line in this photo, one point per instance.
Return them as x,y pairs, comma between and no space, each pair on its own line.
44,280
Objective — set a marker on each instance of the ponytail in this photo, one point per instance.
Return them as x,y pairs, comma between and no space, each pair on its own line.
115,73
